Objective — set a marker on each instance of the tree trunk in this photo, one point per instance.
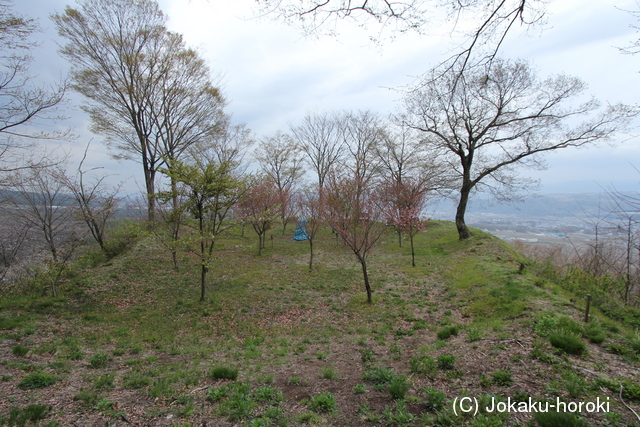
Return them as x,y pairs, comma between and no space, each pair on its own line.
363,262
174,258
310,255
203,282
463,230
399,238
413,252
149,178
260,239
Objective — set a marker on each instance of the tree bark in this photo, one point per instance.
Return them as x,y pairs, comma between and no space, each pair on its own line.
203,282
363,262
413,252
463,230
149,177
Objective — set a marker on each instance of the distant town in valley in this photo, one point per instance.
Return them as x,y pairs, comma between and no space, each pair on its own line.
550,219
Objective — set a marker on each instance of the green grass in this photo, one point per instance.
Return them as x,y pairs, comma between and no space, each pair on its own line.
29,415
37,380
447,332
223,373
270,335
20,350
323,403
567,341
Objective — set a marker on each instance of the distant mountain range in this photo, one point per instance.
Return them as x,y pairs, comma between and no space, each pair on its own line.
20,199
547,205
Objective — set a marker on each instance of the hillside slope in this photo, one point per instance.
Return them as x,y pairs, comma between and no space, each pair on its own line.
127,343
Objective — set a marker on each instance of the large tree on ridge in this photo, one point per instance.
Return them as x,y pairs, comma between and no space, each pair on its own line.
148,94
489,120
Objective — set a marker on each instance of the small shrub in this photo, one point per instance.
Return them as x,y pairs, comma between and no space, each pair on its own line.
379,375
329,373
274,413
616,348
594,333
567,341
104,381
630,388
634,343
218,393
323,403
473,335
446,362
398,387
88,397
367,355
359,388
19,350
106,406
574,384
538,352
559,419
161,388
98,361
136,380
521,396
295,381
37,380
568,324
268,394
223,373
423,365
484,381
502,378
400,417
75,354
435,400
238,403
29,414
447,332
309,418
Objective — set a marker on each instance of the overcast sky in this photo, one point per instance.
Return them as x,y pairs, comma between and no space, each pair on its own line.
272,75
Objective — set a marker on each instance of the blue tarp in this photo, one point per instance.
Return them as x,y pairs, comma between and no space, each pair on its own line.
301,230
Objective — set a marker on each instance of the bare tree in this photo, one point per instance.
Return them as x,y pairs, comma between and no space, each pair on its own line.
492,119
311,207
259,206
39,200
281,159
11,246
97,203
320,139
149,95
400,153
626,207
22,103
361,132
355,212
404,204
230,145
489,20
409,176
634,47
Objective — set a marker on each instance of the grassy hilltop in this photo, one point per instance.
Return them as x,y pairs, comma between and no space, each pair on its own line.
128,343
